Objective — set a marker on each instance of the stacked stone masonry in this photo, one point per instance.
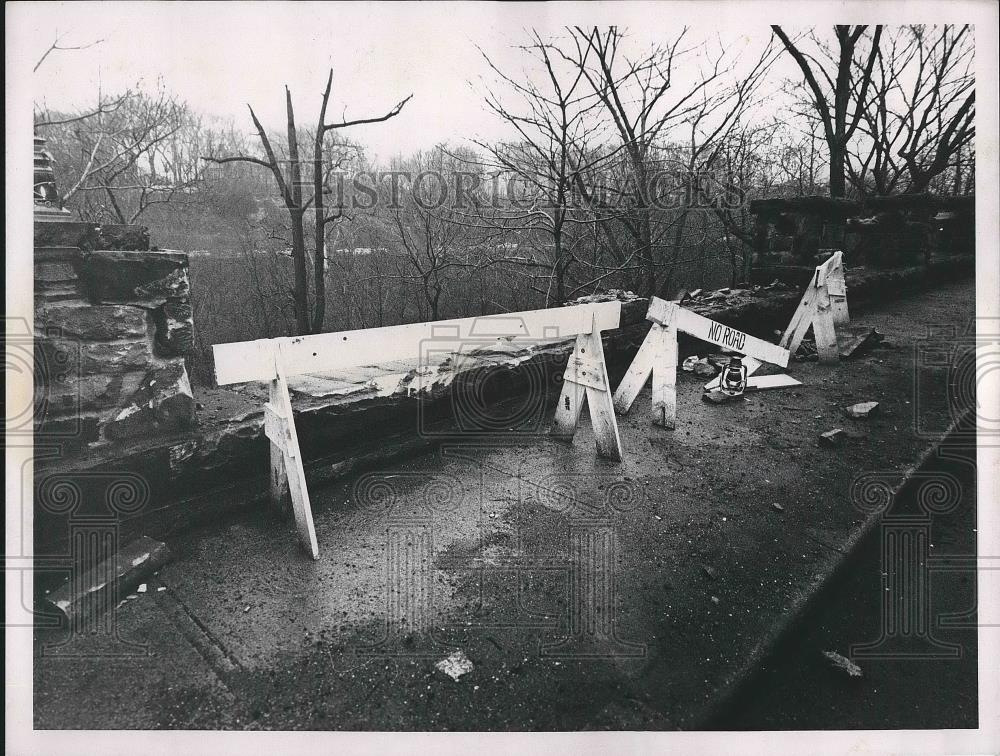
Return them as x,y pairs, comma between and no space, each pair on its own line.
112,327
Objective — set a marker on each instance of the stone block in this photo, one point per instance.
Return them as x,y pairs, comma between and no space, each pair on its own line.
64,234
124,237
78,358
174,329
92,322
55,272
92,392
148,279
163,402
97,590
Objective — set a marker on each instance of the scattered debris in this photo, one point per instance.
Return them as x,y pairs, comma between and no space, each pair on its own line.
682,296
710,572
705,369
715,599
771,382
806,351
161,588
842,664
141,588
246,608
717,396
121,573
777,507
834,437
689,362
695,294
455,665
861,410
858,340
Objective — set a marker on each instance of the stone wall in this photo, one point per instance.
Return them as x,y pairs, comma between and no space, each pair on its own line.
881,232
112,328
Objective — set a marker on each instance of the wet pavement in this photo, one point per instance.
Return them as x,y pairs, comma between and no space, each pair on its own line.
587,595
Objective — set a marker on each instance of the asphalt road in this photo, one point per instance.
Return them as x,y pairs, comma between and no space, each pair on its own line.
799,690
587,595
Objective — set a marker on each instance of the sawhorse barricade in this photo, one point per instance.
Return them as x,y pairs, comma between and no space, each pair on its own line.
657,356
823,308
276,360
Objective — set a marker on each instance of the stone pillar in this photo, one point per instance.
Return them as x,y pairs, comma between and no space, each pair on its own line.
112,327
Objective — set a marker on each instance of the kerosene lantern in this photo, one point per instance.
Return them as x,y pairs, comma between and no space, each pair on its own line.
734,377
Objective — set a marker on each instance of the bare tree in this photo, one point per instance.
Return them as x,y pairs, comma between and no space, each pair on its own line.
848,85
553,122
920,115
647,100
113,159
288,178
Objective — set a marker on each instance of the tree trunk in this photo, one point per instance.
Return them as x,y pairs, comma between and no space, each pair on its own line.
301,275
838,184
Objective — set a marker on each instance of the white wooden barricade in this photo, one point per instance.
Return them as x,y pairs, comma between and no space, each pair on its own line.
823,308
275,360
657,356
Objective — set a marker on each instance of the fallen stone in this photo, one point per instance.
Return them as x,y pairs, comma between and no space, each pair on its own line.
833,438
777,507
716,396
97,589
861,410
705,369
857,340
455,665
842,664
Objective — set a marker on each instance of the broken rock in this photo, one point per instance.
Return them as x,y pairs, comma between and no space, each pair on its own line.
716,396
861,410
842,664
705,369
835,437
455,665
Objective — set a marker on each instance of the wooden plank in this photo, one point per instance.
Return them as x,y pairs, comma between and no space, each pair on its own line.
328,352
637,374
586,371
836,287
803,311
292,459
276,430
602,409
770,382
802,320
825,332
716,333
571,400
665,378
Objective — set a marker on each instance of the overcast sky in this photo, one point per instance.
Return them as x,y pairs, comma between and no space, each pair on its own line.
219,57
